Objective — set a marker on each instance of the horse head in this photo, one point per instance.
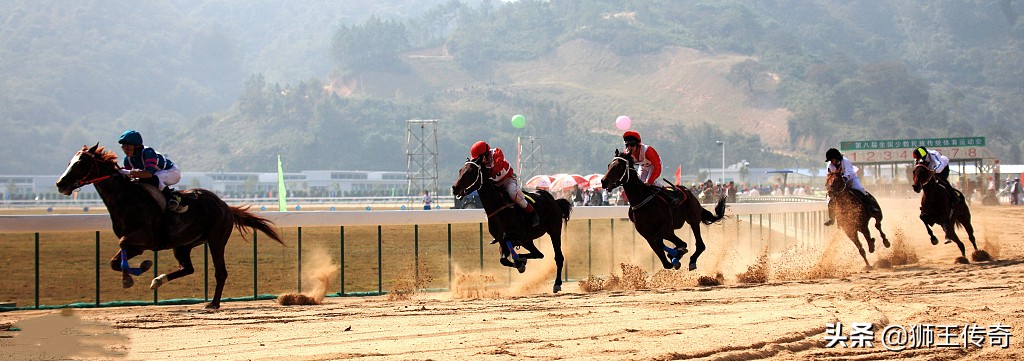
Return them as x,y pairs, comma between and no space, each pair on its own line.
922,175
87,166
471,178
836,184
620,171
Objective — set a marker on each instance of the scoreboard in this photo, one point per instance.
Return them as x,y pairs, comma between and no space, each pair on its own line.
902,150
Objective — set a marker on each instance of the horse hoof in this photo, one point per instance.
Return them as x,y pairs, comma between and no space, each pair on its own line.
962,260
981,256
127,282
871,246
676,264
693,266
521,267
885,242
558,288
157,282
145,266
213,306
935,241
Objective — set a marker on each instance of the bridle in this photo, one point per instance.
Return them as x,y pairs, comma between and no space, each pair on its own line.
94,168
931,175
477,183
624,178
836,177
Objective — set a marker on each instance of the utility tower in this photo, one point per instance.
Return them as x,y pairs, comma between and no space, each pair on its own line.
421,150
531,158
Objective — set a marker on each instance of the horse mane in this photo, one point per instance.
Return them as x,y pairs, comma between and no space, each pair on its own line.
101,153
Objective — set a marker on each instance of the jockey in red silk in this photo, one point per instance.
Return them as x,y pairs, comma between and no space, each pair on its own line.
501,173
647,159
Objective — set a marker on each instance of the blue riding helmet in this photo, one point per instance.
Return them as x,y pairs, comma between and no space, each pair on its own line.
130,137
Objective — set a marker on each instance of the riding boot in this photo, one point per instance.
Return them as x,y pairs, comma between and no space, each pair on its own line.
175,202
534,218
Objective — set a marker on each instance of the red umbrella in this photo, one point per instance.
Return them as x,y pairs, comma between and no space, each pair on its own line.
568,181
594,180
539,182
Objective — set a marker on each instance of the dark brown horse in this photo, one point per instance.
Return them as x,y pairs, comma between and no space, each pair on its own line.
141,223
509,225
941,205
653,216
853,215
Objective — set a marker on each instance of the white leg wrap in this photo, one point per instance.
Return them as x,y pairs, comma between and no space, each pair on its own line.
158,281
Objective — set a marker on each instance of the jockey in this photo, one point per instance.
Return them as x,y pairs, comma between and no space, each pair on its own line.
502,174
838,164
149,166
647,159
935,161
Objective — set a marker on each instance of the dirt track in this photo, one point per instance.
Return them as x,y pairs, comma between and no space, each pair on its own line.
784,318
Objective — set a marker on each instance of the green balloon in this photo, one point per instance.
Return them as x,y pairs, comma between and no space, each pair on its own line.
518,121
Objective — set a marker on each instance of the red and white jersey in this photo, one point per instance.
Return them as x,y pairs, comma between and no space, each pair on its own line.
500,169
649,163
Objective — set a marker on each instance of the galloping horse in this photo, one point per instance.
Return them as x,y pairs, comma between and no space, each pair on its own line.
853,215
142,224
654,218
939,206
509,225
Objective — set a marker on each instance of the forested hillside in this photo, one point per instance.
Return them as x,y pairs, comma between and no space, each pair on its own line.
228,85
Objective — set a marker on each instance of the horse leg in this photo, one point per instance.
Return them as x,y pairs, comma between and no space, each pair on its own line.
852,234
120,263
928,227
220,270
183,255
658,246
878,226
951,235
966,222
677,251
699,241
867,235
556,245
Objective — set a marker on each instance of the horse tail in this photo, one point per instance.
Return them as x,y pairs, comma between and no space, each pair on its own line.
708,218
565,207
245,220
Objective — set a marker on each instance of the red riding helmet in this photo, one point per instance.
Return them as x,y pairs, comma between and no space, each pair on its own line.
631,135
478,149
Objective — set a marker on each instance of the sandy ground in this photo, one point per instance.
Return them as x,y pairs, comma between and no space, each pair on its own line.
786,317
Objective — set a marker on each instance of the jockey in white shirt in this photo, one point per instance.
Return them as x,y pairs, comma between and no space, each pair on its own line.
838,164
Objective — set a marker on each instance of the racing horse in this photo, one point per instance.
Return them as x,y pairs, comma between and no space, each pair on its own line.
940,206
141,222
653,216
509,225
853,214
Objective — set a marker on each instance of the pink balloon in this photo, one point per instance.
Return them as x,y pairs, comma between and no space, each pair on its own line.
623,122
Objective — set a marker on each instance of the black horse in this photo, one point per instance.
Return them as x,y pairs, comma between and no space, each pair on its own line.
853,215
654,217
509,225
141,223
942,205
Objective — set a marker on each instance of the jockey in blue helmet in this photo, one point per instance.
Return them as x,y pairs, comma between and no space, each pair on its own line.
149,166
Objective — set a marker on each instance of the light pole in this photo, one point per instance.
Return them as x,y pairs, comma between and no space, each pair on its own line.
722,143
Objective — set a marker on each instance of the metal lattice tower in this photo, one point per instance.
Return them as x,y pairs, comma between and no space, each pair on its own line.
421,150
531,158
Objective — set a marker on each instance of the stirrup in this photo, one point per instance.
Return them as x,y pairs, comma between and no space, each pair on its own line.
174,205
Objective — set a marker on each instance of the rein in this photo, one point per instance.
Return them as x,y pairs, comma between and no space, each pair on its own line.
931,175
479,181
86,180
626,174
